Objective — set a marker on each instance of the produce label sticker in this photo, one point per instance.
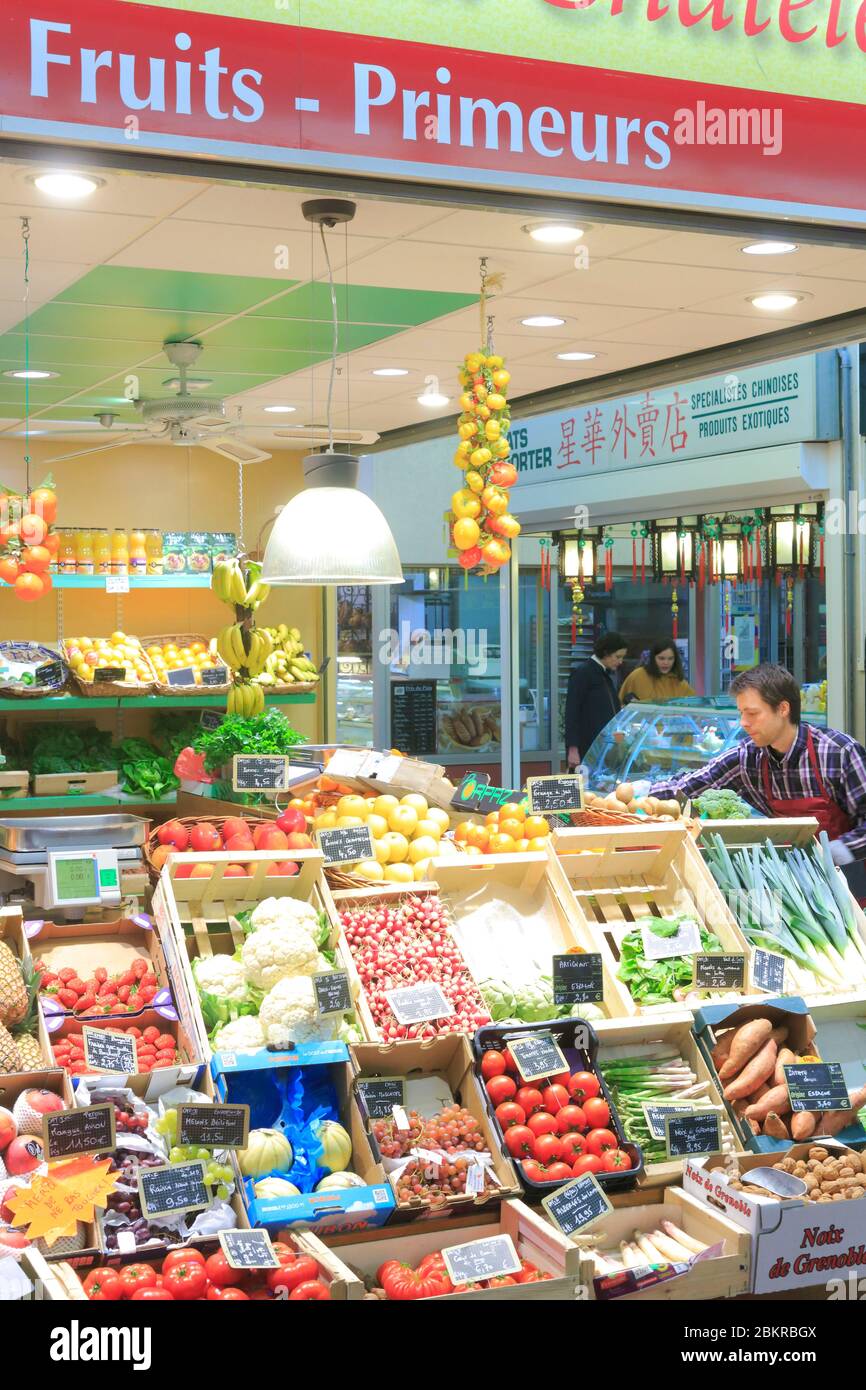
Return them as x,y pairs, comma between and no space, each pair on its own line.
248,1250
382,1095
481,1259
173,1188
418,1004
108,1051
817,1086
257,772
537,1055
685,941
577,1205
346,844
213,1126
655,1115
768,972
68,1133
724,972
333,993
578,979
215,675
690,1135
548,795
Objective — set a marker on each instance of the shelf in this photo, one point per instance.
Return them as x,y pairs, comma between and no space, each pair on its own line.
148,581
66,803
69,702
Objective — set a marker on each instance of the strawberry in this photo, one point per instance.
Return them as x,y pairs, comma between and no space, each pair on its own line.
68,998
145,1066
134,1032
107,988
123,994
140,967
151,1034
146,995
100,974
66,974
165,1040
149,979
78,985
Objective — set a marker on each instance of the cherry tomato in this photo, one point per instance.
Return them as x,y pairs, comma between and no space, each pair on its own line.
542,1123
186,1280
150,1293
183,1257
302,1270
599,1140
587,1163
559,1172
573,1145
139,1276
597,1112
501,1089
555,1099
615,1160
510,1113
548,1148
583,1085
530,1099
103,1286
492,1064
571,1118
312,1290
519,1141
220,1272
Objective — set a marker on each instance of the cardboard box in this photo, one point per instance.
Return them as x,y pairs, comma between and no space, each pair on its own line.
724,1276
13,785
74,784
534,1240
85,946
335,1209
447,1061
795,1243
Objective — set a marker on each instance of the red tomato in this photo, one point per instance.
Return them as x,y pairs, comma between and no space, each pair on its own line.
134,1277
598,1141
587,1163
597,1112
559,1172
220,1272
402,1282
526,1267
103,1286
541,1123
510,1064
186,1280
615,1160
548,1148
536,1277
519,1140
510,1114
151,1294
492,1064
290,1275
218,1295
555,1098
530,1099
573,1145
313,1290
570,1118
533,1172
562,1078
500,1279
583,1085
501,1089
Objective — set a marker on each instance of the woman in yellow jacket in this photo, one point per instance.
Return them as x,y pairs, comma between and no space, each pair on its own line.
660,679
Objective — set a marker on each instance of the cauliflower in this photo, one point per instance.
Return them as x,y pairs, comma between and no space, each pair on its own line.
239,1035
286,911
222,976
288,1013
276,952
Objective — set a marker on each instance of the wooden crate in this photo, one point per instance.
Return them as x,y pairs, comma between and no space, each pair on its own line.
74,783
627,1036
53,1283
726,1276
621,877
13,785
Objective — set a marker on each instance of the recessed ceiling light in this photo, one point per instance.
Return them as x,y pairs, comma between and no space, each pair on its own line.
390,371
576,356
776,301
554,233
65,185
280,409
769,248
542,321
30,374
434,400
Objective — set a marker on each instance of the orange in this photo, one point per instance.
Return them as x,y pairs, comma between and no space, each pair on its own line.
510,826
539,843
523,846
502,844
534,827
492,818
478,835
461,834
512,810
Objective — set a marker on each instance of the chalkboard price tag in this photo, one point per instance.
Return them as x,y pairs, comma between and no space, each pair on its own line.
768,971
214,675
381,1094
49,674
655,1115
537,1055
817,1086
184,676
333,993
698,1133
213,1126
346,844
248,1250
578,979
481,1259
685,941
256,772
548,795
90,1130
413,716
576,1205
103,674
418,1004
105,1050
211,719
724,972
173,1188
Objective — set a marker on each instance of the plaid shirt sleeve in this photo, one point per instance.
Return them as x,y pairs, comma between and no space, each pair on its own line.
726,770
850,788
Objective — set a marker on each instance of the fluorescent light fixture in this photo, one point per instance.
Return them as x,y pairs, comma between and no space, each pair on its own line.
390,371
775,301
554,233
280,409
576,356
433,400
30,374
542,321
769,248
65,185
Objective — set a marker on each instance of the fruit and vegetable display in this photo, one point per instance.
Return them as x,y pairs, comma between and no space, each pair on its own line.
401,1282
830,1175
120,992
480,522
118,653
657,1074
155,1047
28,541
288,663
623,800
655,982
510,830
22,1159
168,656
193,1276
795,902
20,1049
431,1162
268,733
721,804
665,1245
406,831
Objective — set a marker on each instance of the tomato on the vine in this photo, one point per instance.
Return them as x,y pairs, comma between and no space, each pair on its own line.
573,1145
530,1099
492,1064
510,1113
519,1141
559,1172
570,1118
615,1160
548,1148
501,1089
542,1123
533,1171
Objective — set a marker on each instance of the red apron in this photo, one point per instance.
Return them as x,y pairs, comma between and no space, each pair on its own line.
827,813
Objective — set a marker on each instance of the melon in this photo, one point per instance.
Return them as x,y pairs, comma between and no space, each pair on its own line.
65,1245
276,1187
8,1128
336,1146
24,1154
11,1244
337,1180
267,1150
31,1106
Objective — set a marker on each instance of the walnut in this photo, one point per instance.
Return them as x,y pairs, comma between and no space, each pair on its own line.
818,1153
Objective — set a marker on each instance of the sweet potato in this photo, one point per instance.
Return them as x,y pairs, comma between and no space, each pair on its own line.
756,1070
775,1126
779,1034
776,1100
803,1125
748,1039
833,1121
722,1048
786,1058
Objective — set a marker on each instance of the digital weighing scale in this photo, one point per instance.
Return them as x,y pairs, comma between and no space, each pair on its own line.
71,862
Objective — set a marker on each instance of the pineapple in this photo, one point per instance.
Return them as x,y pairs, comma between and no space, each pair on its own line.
10,1059
30,1053
13,991
24,1034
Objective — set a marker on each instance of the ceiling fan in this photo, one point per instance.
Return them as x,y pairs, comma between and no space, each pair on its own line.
184,419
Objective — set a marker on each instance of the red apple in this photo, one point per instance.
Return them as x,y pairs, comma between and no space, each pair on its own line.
235,871
285,868
296,840
8,1188
272,838
31,1106
23,1155
175,833
11,1242
291,819
240,844
235,825
204,838
201,871
8,1128
183,871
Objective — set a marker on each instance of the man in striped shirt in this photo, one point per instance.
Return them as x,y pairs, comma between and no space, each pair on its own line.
785,768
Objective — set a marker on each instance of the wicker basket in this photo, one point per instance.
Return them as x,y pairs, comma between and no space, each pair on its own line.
181,639
152,841
32,692
290,687
116,689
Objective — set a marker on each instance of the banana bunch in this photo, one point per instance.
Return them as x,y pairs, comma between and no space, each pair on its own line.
230,647
286,663
246,699
261,647
229,583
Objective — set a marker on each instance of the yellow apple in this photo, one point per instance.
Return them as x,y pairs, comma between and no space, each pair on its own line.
398,846
441,817
424,848
417,802
352,806
370,868
428,827
326,820
399,873
382,850
348,820
378,826
384,805
403,819
420,869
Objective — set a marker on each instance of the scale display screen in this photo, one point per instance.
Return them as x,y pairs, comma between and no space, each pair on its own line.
76,878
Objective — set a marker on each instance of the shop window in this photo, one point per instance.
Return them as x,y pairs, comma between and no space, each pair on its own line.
534,662
354,665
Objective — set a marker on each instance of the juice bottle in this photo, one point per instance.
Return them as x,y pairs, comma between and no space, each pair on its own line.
66,558
84,551
137,553
101,551
153,551
119,552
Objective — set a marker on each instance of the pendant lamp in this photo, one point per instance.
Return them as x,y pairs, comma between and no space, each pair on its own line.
331,533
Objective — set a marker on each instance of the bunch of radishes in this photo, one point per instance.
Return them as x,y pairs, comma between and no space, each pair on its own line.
410,944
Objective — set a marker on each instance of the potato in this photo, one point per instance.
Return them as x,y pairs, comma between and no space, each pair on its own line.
670,808
625,792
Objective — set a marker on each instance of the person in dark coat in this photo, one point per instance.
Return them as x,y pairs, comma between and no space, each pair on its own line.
592,698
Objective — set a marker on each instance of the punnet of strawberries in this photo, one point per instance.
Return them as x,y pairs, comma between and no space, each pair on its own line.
101,993
430,1279
153,1049
189,1276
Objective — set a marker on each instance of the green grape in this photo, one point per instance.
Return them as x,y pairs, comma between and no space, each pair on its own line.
201,1153
222,1193
176,1155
